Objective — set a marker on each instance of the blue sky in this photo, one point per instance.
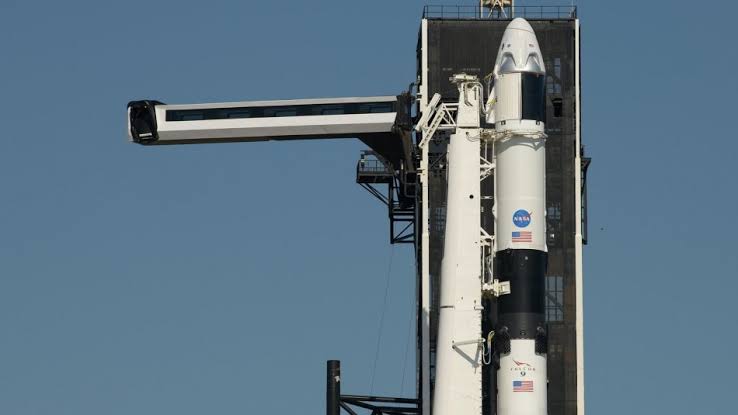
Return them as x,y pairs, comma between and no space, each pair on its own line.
218,279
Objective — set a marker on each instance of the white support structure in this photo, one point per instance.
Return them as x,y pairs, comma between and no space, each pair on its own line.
435,116
425,307
578,241
459,352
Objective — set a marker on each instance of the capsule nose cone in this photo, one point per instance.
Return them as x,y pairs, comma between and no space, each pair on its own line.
519,50
520,24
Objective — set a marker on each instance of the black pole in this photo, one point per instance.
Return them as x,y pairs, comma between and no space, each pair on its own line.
333,388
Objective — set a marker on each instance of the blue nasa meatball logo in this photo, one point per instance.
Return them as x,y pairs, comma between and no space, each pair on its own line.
521,218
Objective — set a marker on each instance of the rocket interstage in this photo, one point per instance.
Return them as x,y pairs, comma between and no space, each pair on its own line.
516,105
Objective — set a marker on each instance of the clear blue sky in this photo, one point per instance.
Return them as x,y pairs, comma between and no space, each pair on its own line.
218,279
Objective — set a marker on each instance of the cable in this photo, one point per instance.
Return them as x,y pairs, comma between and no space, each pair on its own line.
381,319
487,351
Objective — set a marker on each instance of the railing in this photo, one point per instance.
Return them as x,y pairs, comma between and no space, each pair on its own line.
373,167
474,12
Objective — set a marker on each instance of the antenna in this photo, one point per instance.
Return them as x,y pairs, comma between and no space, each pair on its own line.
496,5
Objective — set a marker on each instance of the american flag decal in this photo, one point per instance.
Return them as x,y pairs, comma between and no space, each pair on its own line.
522,386
522,236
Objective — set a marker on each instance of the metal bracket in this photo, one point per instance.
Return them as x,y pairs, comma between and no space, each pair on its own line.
497,288
494,135
436,116
455,344
486,168
486,238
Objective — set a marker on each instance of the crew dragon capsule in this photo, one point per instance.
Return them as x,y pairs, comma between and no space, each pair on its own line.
516,106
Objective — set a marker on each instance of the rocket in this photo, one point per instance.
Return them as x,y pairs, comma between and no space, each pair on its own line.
516,106
517,344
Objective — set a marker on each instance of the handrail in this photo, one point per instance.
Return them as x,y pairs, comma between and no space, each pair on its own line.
473,12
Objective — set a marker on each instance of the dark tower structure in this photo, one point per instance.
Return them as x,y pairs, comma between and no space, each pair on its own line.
460,39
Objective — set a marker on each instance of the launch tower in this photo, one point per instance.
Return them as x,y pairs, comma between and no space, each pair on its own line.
461,39
407,168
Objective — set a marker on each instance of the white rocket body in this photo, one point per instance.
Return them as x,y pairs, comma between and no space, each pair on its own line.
517,107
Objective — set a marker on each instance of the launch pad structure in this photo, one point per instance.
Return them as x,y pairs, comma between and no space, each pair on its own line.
455,39
407,169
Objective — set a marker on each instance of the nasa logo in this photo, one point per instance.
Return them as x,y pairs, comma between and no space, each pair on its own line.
521,218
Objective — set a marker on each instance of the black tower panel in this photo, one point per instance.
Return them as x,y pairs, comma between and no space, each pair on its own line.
470,46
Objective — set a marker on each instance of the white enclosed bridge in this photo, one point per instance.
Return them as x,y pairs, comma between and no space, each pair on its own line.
152,122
